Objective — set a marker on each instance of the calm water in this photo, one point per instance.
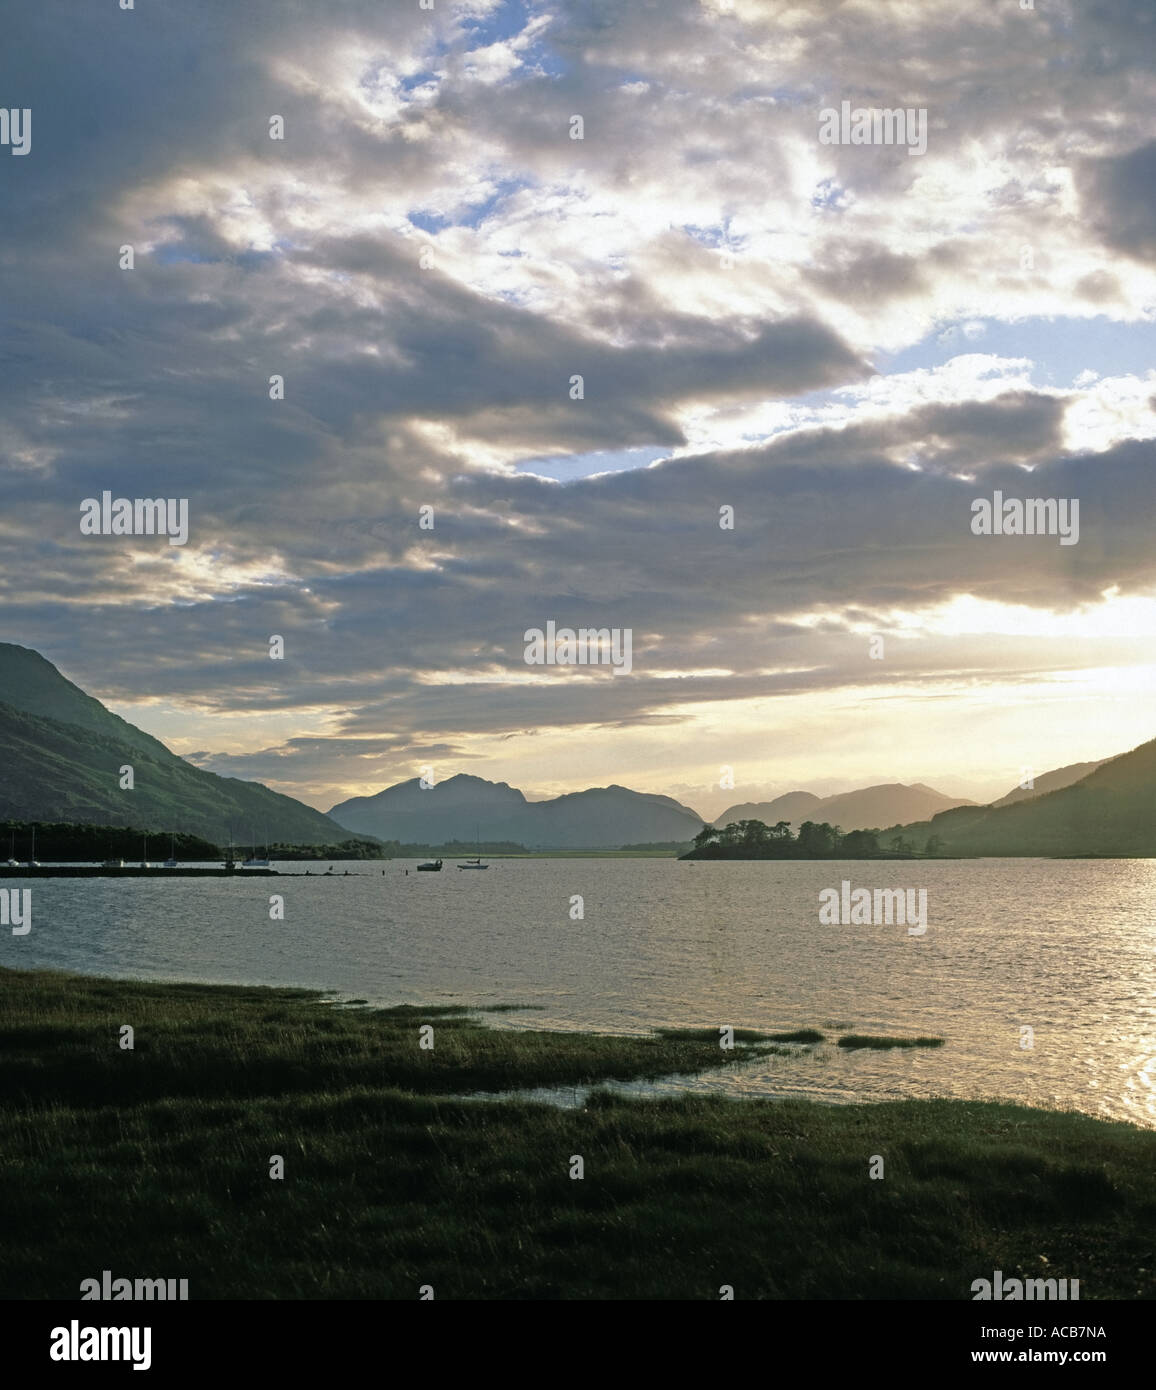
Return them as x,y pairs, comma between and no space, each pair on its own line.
1067,948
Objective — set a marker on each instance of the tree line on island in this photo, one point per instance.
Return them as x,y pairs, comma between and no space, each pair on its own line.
753,839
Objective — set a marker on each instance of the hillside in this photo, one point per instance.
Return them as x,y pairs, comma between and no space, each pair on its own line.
865,809
62,751
1110,811
1050,782
795,807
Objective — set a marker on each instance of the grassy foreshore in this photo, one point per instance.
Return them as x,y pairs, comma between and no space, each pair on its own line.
155,1162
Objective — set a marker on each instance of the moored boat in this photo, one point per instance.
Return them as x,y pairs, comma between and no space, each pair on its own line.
475,863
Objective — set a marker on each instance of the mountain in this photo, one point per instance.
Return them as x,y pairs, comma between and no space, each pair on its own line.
1110,811
62,752
455,809
605,817
462,806
885,805
795,807
1050,782
866,809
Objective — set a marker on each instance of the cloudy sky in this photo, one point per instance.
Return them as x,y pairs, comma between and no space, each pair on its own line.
846,344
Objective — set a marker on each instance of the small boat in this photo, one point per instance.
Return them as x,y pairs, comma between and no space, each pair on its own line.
171,861
475,863
13,862
255,860
431,866
113,864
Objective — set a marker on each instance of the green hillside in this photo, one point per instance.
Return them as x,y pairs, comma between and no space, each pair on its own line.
61,754
1111,811
33,685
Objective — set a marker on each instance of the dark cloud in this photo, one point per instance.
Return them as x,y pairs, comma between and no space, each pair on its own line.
1119,197
300,258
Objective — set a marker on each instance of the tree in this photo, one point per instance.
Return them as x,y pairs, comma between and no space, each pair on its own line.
934,845
860,844
753,833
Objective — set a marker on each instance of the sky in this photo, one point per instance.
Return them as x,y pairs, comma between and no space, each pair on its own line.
845,344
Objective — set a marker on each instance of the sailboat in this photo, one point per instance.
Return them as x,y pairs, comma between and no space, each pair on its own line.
253,861
13,862
477,862
144,863
171,861
34,863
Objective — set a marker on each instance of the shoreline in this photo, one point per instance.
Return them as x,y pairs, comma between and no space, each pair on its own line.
164,1153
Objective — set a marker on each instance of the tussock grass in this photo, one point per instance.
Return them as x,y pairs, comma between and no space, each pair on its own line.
710,1035
59,1043
155,1163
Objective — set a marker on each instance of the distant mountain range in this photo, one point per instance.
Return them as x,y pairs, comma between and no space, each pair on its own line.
462,806
866,809
61,752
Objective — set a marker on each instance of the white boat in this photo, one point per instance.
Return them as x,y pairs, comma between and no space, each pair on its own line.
171,861
113,864
257,861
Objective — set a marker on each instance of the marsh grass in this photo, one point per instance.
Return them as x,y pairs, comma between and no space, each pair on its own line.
710,1035
155,1163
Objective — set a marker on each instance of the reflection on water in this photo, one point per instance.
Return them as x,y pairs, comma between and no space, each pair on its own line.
1063,948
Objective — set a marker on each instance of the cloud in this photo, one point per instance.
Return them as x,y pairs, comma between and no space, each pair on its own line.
428,259
1119,195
